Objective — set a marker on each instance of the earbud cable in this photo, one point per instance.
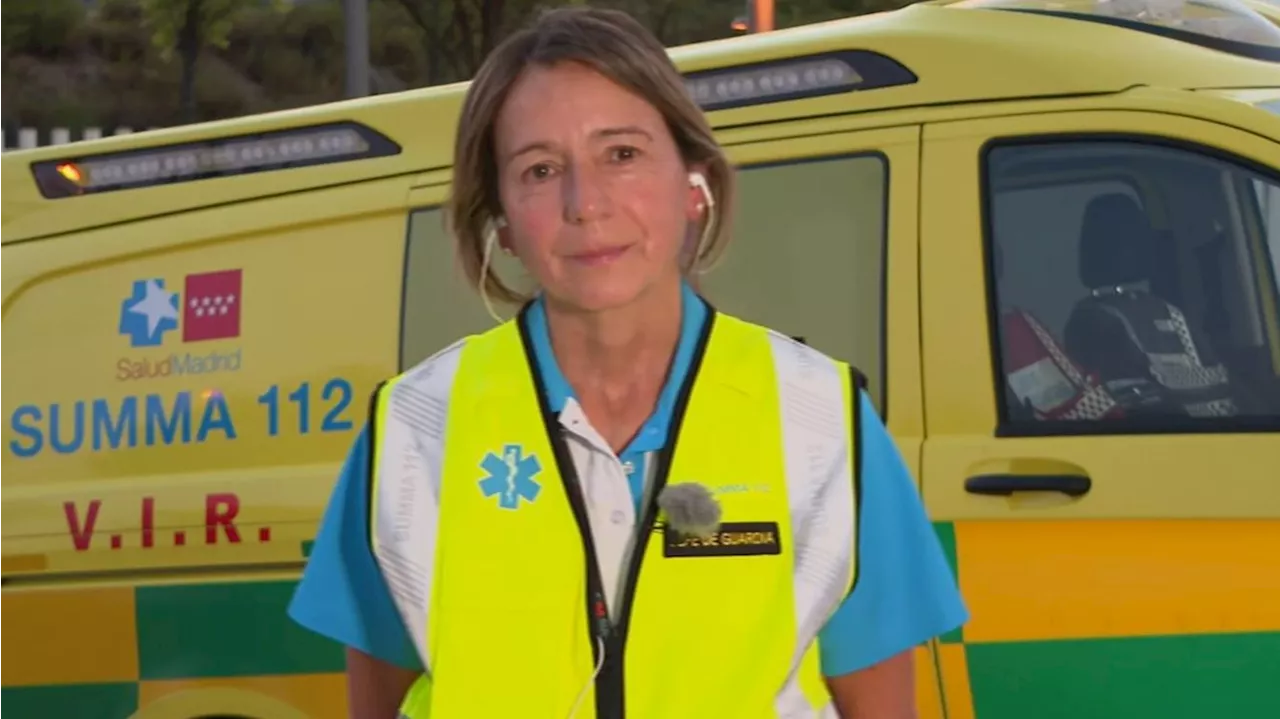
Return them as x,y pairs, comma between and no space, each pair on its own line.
587,687
491,239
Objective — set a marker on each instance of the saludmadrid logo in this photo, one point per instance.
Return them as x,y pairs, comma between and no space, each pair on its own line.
178,365
208,309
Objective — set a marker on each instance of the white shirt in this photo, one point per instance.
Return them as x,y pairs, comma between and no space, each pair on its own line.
606,492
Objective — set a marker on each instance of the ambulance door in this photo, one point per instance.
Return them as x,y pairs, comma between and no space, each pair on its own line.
1102,364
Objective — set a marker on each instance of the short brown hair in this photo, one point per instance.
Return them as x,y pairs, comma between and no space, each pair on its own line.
613,44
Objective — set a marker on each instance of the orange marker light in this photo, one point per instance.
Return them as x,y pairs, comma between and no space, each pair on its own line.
71,172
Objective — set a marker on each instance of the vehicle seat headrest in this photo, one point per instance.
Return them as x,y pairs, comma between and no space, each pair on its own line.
1117,243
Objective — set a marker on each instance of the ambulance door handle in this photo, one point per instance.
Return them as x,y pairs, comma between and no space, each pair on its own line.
1004,485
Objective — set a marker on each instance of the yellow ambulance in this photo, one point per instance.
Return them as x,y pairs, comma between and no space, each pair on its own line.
1270,9
1048,232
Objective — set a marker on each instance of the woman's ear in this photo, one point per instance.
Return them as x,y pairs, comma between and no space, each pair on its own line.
700,197
500,228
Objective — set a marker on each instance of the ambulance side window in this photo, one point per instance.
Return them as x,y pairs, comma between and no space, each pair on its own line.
807,260
1134,287
807,257
440,306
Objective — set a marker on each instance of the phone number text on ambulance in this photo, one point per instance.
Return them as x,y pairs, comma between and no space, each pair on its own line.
186,417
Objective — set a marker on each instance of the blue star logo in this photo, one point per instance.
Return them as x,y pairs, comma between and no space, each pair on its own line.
511,476
148,313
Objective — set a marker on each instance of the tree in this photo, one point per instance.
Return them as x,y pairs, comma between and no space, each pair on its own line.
184,28
42,28
429,16
458,34
67,67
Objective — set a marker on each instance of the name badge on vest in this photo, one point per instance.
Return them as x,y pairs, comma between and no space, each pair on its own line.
733,539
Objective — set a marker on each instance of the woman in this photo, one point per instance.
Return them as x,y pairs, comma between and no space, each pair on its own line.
621,502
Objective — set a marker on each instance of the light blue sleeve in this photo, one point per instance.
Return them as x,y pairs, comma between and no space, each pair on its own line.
905,593
342,594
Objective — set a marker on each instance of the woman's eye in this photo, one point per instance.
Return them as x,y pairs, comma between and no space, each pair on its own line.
624,154
540,171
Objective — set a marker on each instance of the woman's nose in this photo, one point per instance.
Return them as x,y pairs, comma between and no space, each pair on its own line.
586,198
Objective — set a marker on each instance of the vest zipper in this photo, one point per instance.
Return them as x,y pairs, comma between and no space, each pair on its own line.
616,648
598,623
611,699
610,691
610,696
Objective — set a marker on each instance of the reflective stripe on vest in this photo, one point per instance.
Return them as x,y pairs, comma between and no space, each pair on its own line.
480,528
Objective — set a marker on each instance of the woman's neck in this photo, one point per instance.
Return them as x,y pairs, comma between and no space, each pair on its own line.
613,346
617,360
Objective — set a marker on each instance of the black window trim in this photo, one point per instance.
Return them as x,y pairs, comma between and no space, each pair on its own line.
1008,427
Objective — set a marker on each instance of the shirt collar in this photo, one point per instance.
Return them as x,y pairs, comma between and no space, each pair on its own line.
653,434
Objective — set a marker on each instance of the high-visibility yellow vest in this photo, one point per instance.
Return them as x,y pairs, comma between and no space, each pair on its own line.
417,702
480,528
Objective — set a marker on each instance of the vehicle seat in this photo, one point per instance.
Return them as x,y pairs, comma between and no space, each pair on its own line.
1145,349
1042,381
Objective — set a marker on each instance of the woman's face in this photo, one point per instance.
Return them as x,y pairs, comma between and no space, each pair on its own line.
595,192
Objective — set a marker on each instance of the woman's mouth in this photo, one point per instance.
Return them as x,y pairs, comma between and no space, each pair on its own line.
598,257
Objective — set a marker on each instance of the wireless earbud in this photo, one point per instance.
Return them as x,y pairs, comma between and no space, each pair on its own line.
500,222
698,180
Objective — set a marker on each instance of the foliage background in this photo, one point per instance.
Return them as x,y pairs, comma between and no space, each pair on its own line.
140,63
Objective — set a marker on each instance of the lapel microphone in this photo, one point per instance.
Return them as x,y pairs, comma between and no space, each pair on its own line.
690,509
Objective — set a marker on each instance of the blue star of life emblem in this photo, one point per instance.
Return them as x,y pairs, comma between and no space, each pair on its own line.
148,313
511,476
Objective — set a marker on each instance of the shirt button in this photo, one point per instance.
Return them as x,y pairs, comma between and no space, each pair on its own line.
629,467
618,516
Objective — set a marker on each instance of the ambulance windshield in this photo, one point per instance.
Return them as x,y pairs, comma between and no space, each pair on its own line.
1229,25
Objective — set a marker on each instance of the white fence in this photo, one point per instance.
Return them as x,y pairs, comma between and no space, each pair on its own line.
26,138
